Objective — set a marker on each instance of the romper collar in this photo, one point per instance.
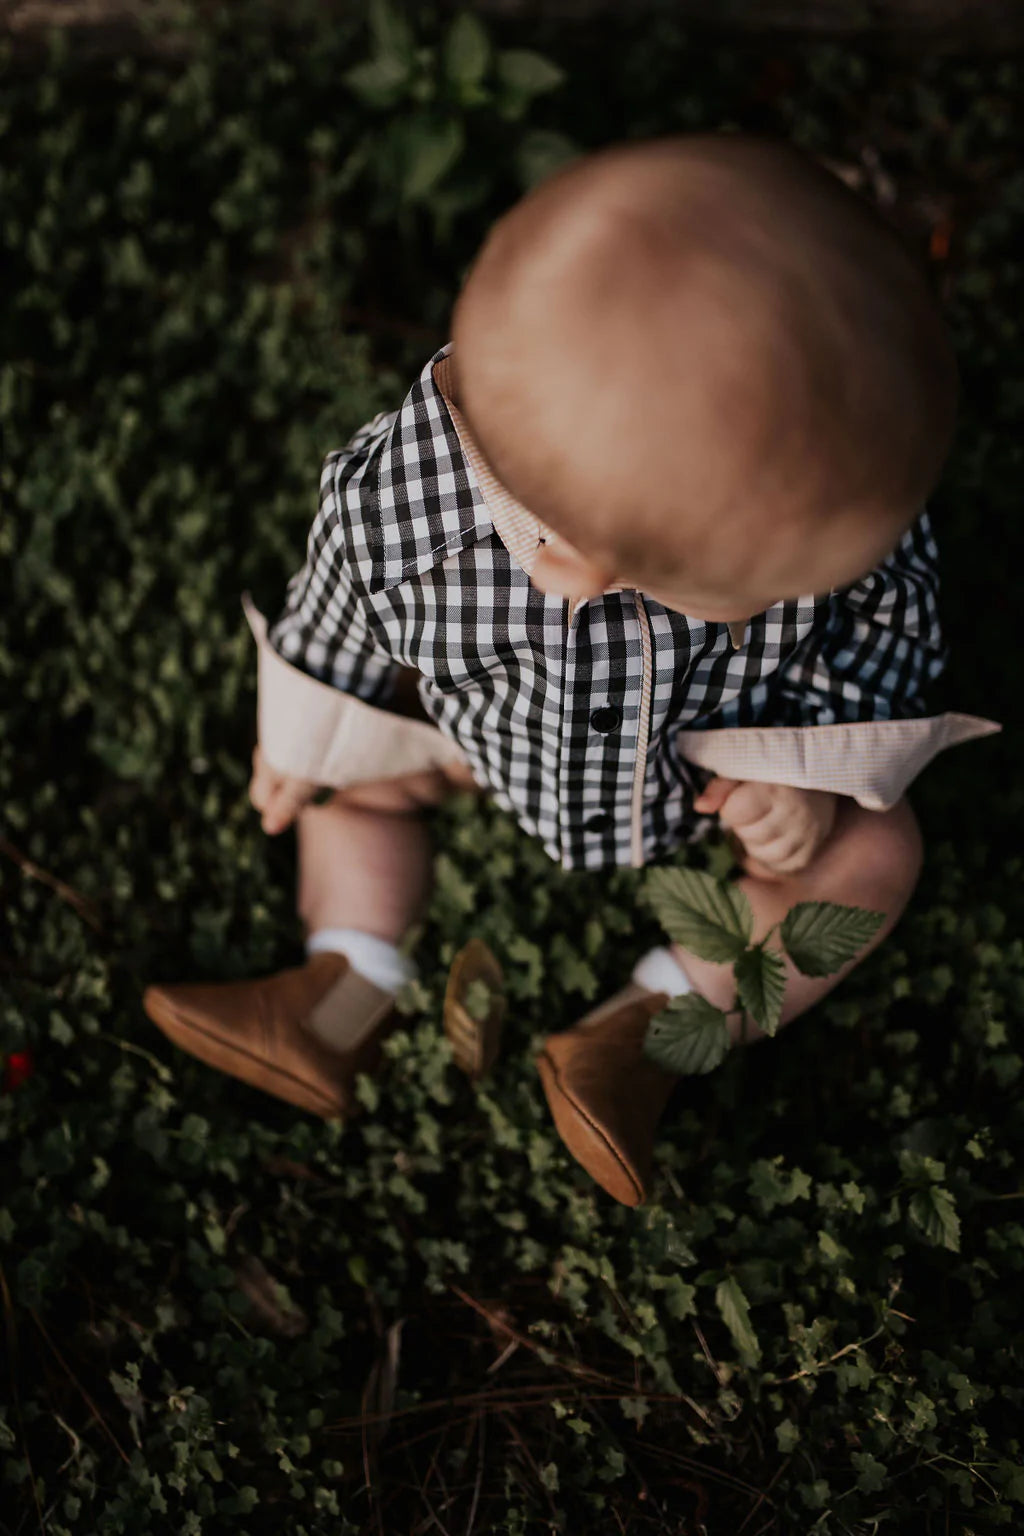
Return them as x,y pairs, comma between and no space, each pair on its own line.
519,529
427,502
462,507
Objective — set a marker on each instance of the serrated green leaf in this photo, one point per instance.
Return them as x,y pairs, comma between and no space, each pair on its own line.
706,916
467,51
689,1036
761,985
735,1312
528,73
431,154
821,936
933,1212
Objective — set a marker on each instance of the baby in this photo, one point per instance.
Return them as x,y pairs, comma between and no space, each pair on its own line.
651,534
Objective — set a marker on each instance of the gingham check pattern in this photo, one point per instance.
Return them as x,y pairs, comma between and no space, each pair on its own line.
404,567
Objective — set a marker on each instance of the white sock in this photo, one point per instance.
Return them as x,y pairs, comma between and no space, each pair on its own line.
376,959
660,971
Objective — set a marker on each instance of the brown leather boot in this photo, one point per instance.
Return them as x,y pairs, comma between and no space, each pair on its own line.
606,1096
259,1031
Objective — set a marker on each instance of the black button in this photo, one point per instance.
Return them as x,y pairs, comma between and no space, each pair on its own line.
606,719
599,822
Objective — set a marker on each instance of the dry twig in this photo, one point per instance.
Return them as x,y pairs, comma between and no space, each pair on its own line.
33,871
97,1415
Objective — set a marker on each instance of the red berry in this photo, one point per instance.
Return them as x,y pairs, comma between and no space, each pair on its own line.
18,1068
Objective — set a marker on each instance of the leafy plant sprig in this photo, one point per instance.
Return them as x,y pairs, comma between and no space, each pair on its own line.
713,919
431,98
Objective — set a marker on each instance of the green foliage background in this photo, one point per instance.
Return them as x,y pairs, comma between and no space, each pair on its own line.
221,1316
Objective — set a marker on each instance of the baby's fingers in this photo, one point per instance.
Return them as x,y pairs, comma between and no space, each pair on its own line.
785,855
747,806
284,804
714,795
263,783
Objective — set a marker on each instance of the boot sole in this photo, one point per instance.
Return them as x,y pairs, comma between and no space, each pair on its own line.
589,1144
237,1062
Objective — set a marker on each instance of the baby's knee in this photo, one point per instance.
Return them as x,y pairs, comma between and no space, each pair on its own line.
888,853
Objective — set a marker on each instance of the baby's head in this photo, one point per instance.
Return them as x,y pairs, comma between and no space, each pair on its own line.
710,368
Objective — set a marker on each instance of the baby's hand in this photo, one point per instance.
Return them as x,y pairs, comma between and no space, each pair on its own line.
277,796
781,828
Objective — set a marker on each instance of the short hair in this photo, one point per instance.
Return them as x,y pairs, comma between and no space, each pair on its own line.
639,296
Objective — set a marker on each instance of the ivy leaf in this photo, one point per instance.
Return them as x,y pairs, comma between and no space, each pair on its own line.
771,1184
872,1476
761,983
689,1036
933,1212
528,73
1013,1480
820,936
679,1295
735,1311
467,51
477,1001
707,916
787,1436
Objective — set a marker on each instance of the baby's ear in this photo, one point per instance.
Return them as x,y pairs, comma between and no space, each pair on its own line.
562,571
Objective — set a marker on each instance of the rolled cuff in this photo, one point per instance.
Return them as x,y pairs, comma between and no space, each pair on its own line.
871,761
310,730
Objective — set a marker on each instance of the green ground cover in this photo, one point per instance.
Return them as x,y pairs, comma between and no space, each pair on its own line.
220,1316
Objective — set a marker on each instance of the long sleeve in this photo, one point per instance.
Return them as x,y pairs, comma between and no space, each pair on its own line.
321,668
879,650
847,711
322,628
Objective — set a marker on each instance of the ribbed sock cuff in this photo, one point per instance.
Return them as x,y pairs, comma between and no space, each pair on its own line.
660,971
376,959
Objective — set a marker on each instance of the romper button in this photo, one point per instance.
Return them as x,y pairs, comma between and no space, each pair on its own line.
599,822
606,719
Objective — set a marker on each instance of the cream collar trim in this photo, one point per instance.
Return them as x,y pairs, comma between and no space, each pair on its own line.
519,529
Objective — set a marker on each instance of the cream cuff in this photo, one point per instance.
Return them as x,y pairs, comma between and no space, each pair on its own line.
871,761
310,730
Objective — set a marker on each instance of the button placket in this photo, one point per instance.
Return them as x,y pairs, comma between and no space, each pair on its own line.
595,777
606,719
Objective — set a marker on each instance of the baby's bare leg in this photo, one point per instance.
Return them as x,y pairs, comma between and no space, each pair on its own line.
364,857
872,859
